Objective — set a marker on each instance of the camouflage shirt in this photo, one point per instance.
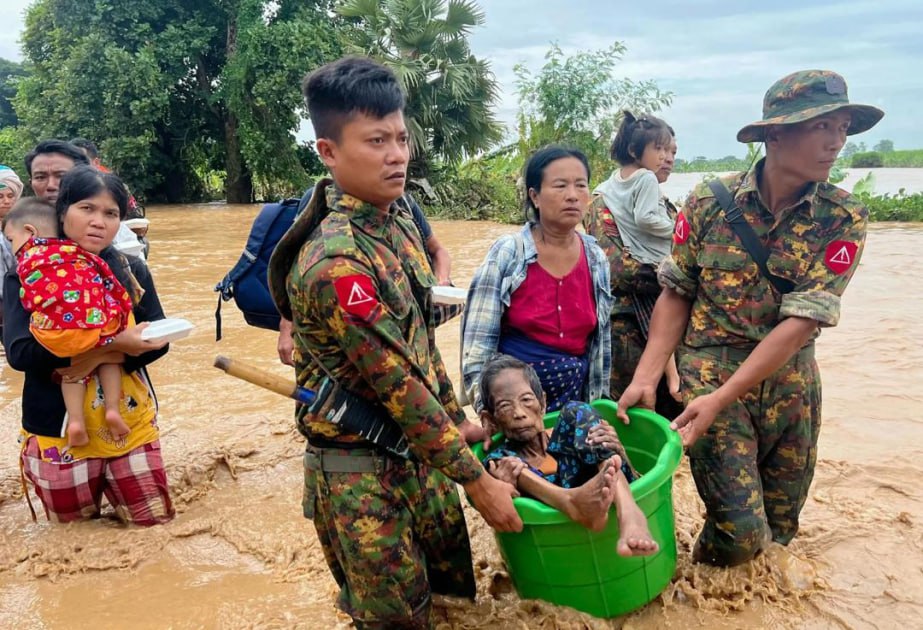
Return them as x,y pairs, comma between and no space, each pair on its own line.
625,273
360,297
816,243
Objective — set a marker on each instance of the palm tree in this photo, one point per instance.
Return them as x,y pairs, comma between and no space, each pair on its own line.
450,93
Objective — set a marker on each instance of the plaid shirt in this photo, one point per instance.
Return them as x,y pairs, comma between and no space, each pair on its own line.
502,272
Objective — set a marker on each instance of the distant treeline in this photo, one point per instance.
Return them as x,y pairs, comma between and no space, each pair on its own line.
911,158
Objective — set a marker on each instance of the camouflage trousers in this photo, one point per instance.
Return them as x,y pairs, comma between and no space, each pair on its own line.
627,346
755,465
390,536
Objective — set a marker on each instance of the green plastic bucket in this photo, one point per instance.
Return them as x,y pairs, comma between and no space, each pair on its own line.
559,561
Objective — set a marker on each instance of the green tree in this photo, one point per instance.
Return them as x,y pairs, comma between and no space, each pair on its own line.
10,74
885,146
450,93
577,99
849,150
174,92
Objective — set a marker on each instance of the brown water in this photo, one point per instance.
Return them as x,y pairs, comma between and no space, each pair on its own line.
239,554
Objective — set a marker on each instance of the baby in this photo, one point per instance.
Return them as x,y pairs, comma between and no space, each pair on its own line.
580,469
76,304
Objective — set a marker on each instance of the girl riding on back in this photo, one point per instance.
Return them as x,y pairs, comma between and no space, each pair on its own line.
632,192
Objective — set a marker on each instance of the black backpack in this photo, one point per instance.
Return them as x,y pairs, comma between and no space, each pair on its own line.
246,282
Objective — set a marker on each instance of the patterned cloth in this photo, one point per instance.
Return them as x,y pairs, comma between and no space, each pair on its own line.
563,375
135,485
501,273
755,463
67,288
577,461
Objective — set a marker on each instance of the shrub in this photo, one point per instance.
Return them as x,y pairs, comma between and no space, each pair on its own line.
899,207
869,159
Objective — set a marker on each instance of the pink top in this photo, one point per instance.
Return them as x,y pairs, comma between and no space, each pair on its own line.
558,312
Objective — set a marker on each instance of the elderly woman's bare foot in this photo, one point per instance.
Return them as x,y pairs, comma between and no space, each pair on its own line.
589,503
634,536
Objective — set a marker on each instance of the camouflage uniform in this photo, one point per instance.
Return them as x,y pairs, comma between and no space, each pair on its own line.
754,466
359,293
627,276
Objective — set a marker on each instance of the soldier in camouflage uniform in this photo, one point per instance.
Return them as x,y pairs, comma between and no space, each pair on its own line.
752,389
352,276
629,278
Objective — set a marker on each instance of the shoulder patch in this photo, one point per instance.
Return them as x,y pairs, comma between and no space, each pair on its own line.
681,229
840,256
356,295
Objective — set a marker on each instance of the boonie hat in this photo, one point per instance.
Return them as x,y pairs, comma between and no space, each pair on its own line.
808,94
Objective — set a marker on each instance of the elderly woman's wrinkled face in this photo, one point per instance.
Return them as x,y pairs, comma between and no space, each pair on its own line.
92,222
518,412
7,199
564,195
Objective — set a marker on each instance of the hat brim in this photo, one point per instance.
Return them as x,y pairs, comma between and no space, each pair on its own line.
864,117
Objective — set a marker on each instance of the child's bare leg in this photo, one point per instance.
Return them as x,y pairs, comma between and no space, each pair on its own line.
110,377
74,394
634,535
587,504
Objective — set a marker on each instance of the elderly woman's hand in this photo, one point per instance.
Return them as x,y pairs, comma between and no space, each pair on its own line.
604,435
130,342
83,365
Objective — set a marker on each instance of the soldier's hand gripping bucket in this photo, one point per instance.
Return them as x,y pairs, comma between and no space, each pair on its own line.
559,561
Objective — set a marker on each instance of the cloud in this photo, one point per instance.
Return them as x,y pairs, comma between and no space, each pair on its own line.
719,58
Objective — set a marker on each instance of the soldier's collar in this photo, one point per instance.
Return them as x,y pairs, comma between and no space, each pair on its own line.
361,213
749,187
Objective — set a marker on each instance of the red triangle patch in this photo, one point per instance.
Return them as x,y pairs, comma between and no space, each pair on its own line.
840,256
356,295
681,229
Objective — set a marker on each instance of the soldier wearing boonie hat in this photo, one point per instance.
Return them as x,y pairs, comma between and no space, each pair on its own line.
750,382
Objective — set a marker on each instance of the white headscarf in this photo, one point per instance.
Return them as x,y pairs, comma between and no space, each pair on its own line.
9,179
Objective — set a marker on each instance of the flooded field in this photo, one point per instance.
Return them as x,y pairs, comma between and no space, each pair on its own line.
240,555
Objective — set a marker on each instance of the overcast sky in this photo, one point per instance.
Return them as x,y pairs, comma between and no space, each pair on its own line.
717,57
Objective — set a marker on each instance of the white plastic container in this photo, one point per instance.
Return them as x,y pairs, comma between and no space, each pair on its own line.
449,295
133,224
169,329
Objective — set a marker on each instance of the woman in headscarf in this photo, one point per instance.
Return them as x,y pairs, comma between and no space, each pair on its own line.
10,192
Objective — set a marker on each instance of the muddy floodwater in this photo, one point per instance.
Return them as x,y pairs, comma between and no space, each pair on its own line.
240,555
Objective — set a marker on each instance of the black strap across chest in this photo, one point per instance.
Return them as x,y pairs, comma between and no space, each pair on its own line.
748,238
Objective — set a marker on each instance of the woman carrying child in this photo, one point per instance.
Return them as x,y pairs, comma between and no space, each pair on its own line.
76,304
70,480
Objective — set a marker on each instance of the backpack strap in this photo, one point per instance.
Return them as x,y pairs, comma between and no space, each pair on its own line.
748,238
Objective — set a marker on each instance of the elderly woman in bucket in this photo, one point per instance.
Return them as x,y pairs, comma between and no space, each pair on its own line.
580,468
10,191
542,294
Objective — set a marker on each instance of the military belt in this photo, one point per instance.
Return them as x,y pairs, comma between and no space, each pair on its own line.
346,461
739,354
